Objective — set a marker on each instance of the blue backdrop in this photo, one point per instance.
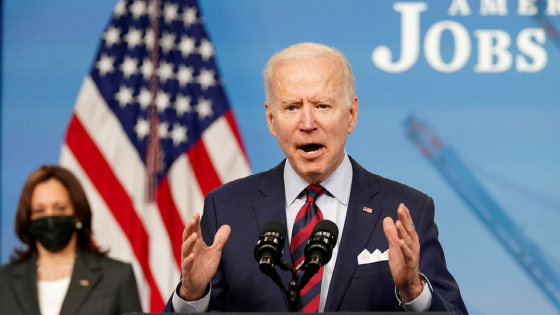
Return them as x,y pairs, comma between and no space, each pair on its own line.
487,82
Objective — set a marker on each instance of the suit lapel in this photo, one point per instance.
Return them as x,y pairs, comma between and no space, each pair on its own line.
24,284
358,228
271,205
84,278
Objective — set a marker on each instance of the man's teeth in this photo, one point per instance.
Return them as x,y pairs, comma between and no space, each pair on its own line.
311,152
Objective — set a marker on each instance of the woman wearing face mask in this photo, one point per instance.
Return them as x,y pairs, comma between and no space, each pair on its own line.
61,271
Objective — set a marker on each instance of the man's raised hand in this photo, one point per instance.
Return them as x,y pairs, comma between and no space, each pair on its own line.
199,261
404,253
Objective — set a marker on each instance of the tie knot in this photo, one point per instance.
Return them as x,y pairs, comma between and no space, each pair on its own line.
313,192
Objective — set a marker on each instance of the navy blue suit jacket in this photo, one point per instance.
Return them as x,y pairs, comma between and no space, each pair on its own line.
247,204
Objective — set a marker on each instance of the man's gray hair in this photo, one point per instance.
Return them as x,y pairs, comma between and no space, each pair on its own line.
306,51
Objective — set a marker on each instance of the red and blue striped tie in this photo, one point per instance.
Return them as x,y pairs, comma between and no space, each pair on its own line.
305,221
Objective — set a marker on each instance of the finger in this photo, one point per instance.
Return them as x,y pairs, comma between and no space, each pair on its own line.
406,251
390,231
403,233
221,237
191,226
188,263
198,228
407,219
188,245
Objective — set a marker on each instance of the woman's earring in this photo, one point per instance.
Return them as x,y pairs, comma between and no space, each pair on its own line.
78,225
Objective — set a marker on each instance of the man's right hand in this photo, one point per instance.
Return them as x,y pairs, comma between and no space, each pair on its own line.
198,261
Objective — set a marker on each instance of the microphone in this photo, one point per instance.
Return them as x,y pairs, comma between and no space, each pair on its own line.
318,251
268,251
321,243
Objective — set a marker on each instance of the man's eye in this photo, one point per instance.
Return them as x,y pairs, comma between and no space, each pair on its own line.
290,108
323,106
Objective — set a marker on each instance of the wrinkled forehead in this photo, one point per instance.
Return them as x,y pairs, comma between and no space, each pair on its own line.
321,76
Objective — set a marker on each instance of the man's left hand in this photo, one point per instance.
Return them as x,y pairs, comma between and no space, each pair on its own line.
404,253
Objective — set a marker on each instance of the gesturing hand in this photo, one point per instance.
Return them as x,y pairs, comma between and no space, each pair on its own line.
404,253
198,261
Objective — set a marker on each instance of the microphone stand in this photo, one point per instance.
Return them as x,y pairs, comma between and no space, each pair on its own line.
295,285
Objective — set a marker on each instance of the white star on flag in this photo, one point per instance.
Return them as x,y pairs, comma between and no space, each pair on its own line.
146,69
144,98
206,79
163,130
162,101
183,105
142,128
138,8
170,13
129,67
105,65
133,38
187,46
165,71
112,36
206,49
179,134
189,17
124,96
167,42
204,108
185,75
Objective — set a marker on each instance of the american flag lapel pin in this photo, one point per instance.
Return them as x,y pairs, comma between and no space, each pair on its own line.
368,210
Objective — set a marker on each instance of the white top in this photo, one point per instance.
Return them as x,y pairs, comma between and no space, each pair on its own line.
51,295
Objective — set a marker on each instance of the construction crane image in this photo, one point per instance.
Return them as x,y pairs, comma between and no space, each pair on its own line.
532,259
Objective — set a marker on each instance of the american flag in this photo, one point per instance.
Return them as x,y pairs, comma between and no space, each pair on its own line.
151,134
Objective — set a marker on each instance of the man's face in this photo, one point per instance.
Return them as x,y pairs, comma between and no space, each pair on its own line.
309,115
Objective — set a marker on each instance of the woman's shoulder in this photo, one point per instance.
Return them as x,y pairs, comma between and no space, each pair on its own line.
104,262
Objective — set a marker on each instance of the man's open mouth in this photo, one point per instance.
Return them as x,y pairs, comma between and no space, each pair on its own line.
311,148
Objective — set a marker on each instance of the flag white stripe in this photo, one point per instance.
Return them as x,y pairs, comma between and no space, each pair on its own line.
185,190
225,153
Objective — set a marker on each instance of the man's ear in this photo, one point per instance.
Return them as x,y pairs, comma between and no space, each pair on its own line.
269,118
353,114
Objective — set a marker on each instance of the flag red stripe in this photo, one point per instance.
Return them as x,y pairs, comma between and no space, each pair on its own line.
116,198
230,117
203,168
171,218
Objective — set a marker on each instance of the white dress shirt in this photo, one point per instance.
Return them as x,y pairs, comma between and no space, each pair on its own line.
333,204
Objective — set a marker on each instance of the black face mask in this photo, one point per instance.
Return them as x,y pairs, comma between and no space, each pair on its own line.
53,232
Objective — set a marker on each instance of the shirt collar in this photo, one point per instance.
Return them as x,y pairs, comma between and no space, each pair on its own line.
338,184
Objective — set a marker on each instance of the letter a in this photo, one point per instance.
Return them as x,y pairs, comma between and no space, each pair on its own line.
459,6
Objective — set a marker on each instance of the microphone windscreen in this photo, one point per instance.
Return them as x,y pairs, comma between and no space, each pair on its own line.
275,226
327,226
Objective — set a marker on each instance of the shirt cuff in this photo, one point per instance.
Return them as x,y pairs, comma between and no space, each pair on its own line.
182,306
422,302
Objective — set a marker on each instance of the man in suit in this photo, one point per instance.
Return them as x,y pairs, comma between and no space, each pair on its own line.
310,108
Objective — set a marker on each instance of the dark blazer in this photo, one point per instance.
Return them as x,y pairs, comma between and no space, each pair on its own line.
99,285
247,204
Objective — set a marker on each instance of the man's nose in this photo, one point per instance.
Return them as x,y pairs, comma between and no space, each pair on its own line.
307,118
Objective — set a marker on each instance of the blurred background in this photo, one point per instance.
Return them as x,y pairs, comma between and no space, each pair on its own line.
484,78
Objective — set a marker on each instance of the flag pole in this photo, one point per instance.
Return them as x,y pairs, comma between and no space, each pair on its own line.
153,163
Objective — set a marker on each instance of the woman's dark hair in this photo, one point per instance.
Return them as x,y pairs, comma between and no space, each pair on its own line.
78,199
